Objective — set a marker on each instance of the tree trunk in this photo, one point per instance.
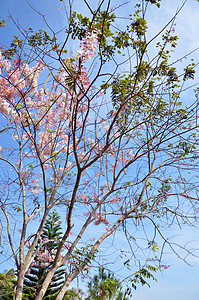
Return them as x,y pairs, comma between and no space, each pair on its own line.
46,283
19,289
65,286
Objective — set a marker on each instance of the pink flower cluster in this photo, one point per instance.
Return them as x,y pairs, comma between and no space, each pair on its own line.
101,219
164,266
89,46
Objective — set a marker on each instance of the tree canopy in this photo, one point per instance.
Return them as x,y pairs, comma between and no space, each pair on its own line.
94,124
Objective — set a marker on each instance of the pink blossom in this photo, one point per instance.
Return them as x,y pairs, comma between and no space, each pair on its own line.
165,266
28,245
186,195
81,156
85,181
101,219
91,143
130,153
104,126
96,197
114,166
122,160
112,151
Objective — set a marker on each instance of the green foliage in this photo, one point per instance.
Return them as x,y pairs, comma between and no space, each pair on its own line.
143,275
156,2
37,39
105,286
7,284
41,38
189,72
17,208
52,231
73,294
84,254
2,23
164,189
15,45
78,25
184,148
139,26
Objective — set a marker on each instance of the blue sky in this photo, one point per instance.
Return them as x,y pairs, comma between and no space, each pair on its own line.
179,282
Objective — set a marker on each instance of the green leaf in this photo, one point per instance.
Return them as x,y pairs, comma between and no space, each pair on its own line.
2,23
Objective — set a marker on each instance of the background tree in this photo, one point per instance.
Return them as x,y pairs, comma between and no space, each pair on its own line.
101,134
44,255
105,286
73,294
7,285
